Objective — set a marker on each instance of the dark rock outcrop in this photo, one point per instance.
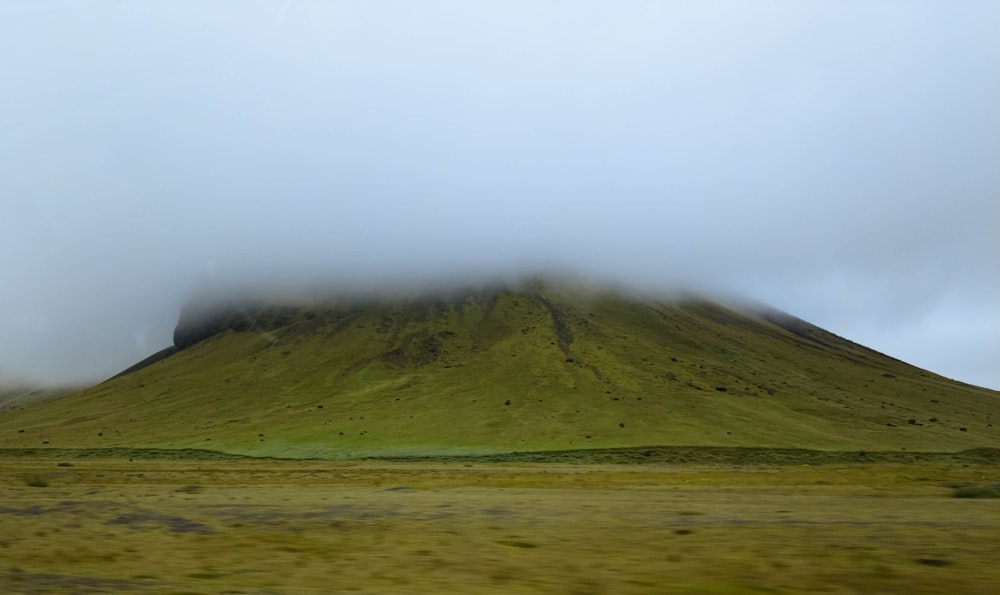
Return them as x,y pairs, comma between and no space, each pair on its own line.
202,319
161,354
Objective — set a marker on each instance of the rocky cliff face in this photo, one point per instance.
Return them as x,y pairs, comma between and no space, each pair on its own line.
201,319
210,315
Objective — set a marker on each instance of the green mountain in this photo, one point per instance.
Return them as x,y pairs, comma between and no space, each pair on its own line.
14,395
529,367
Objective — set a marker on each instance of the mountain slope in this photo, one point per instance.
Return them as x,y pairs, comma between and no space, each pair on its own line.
525,368
13,396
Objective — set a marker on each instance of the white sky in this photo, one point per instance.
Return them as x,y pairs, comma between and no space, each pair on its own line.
837,160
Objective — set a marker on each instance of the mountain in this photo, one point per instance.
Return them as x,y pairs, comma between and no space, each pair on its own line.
524,367
14,394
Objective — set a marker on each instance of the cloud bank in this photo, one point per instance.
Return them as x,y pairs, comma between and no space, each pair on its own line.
837,161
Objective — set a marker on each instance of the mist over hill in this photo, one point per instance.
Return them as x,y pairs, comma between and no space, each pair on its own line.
531,366
794,154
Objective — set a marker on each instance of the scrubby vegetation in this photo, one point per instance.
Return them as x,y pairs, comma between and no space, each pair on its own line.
977,491
35,481
265,526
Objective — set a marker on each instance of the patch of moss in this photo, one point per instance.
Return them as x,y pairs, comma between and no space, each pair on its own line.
977,491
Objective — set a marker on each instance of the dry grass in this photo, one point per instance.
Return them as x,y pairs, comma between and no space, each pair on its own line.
319,527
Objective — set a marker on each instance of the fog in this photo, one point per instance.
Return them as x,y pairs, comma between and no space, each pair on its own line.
835,160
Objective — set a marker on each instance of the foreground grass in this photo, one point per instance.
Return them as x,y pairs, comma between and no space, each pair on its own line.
637,455
253,526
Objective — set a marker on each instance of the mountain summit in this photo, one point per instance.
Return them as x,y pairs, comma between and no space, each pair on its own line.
526,367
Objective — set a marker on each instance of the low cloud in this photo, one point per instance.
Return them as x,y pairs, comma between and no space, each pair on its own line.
837,162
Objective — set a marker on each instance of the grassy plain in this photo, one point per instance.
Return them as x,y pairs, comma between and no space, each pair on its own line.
95,525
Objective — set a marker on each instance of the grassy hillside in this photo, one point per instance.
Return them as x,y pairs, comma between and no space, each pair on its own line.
528,369
15,395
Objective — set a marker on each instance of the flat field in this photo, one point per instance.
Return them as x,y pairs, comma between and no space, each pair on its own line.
273,526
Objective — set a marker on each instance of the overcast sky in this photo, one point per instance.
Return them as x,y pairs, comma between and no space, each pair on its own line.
837,160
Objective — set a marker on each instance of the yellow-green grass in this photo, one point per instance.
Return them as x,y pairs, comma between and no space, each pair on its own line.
256,526
16,395
529,369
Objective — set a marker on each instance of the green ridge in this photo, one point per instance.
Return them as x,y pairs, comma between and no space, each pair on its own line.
528,369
